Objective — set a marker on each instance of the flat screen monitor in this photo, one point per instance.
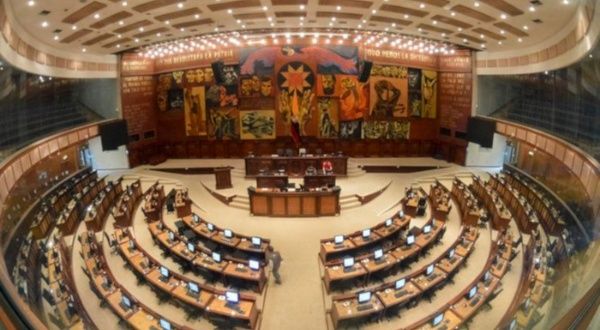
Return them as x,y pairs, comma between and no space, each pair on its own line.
401,214
429,270
125,302
113,134
191,247
364,297
165,325
196,218
131,244
105,281
472,292
513,324
164,272
526,304
427,229
481,131
388,222
171,236
193,287
378,254
216,256
227,233
339,239
438,319
487,276
410,240
210,226
451,253
232,297
400,283
366,233
348,262
254,264
256,241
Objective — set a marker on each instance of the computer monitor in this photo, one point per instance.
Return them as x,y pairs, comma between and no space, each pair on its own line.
193,288
105,281
451,253
164,272
227,233
339,239
232,297
191,247
171,236
437,319
427,229
401,214
400,283
378,254
196,218
364,297
410,239
256,241
164,324
472,292
388,222
216,256
487,276
513,324
348,262
526,304
254,264
366,233
210,226
429,270
125,302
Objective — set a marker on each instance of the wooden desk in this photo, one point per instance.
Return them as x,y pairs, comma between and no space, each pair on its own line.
337,274
451,321
424,282
388,298
272,202
440,197
411,201
343,310
247,313
319,179
294,166
183,203
153,202
222,177
271,180
353,244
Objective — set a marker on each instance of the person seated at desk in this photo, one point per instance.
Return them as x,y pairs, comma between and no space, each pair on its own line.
327,167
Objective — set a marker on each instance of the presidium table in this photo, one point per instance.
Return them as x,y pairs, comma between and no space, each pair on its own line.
294,166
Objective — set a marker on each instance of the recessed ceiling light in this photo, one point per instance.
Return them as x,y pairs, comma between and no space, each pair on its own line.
180,5
406,16
302,7
84,50
452,14
476,4
31,3
374,11
136,40
56,37
119,36
74,27
525,27
118,45
141,29
197,16
124,3
121,22
44,24
229,11
96,15
265,8
503,16
520,40
167,22
421,5
338,8
531,8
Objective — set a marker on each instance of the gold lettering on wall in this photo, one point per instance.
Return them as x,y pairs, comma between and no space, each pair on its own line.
395,56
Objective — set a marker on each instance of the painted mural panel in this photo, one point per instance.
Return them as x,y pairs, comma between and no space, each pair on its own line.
351,129
195,112
223,123
328,117
429,92
415,101
389,98
257,125
354,97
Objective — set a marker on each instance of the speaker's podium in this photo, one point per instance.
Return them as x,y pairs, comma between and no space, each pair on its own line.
223,177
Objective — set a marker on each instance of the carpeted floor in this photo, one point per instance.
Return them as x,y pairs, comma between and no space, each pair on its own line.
300,302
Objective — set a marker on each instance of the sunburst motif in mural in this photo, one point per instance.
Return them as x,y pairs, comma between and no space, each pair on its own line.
295,77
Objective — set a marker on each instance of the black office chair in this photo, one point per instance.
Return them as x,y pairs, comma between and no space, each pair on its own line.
289,152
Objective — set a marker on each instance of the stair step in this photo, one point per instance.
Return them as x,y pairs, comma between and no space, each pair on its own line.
351,205
238,205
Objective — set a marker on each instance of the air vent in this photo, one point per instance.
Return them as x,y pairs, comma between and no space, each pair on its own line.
537,21
536,2
57,31
44,12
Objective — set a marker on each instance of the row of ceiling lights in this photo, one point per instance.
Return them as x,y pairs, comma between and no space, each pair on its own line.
333,19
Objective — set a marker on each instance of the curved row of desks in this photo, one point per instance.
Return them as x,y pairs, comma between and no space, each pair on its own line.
208,299
388,298
398,254
201,259
135,313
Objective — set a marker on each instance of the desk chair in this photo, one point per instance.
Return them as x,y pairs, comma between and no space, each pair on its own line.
289,152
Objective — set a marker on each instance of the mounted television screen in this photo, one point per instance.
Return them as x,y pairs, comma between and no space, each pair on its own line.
481,131
113,134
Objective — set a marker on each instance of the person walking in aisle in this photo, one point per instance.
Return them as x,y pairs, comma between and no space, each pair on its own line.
275,258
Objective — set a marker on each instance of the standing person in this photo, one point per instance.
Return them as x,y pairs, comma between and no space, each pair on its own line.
275,258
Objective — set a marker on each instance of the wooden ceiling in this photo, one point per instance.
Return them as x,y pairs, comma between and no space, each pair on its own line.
111,26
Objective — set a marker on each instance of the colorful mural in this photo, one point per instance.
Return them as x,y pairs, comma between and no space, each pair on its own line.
429,83
354,97
328,117
195,112
257,125
389,98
